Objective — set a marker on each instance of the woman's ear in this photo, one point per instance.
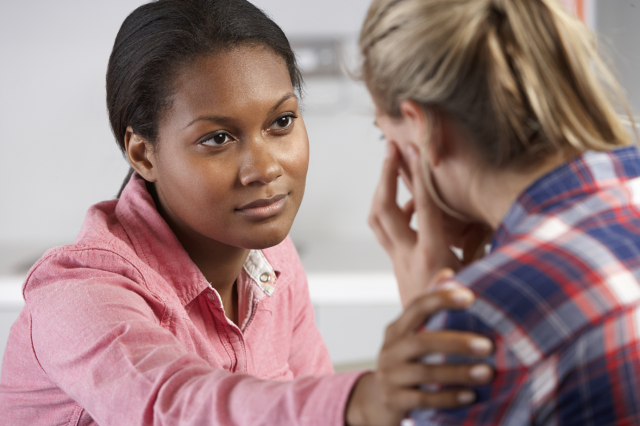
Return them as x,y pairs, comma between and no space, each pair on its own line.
426,127
140,154
413,113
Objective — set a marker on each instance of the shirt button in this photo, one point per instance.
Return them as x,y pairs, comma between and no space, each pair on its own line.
210,296
264,277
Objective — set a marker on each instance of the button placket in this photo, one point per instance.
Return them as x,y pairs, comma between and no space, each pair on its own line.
230,335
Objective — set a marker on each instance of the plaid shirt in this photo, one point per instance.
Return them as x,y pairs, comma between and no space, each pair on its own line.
559,294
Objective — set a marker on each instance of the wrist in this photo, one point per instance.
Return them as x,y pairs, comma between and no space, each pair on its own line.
355,413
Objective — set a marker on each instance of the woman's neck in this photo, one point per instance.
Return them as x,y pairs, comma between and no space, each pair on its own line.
220,263
492,193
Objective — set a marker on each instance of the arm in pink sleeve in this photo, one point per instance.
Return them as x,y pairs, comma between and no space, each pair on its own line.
99,340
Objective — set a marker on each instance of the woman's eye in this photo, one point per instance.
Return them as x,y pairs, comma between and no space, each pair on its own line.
216,139
283,122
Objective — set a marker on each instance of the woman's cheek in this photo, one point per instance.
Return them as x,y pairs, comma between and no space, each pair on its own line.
302,156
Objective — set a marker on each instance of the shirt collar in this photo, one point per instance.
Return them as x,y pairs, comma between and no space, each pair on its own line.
583,175
156,244
261,272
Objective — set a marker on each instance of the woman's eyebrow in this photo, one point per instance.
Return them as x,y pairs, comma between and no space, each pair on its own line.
227,120
213,118
282,100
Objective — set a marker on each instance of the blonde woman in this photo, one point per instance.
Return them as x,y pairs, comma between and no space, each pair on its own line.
500,114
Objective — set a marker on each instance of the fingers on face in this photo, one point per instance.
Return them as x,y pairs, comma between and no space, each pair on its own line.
408,209
405,174
381,196
387,219
388,188
432,235
419,186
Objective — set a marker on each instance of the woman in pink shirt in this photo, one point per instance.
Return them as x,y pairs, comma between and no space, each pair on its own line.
183,301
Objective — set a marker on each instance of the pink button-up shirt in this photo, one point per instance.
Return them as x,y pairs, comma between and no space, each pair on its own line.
121,328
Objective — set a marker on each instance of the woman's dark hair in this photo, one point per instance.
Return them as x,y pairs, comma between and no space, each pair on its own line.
159,38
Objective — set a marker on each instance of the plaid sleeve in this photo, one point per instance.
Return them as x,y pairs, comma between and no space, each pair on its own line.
595,379
504,401
592,379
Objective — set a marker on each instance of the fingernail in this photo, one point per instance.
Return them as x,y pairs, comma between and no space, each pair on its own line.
481,346
466,397
462,297
445,274
389,151
480,372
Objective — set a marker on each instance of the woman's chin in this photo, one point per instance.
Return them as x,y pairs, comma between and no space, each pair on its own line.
265,240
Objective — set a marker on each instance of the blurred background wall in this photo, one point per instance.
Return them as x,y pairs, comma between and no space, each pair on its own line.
58,156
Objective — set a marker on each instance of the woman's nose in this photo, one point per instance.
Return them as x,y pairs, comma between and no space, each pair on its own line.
259,163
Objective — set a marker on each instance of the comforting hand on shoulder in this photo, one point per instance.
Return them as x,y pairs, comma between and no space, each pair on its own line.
386,395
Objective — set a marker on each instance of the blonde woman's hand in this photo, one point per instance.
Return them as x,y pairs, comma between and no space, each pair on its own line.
385,396
416,256
470,238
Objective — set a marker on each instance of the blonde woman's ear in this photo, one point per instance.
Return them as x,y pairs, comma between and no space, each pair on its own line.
426,125
416,115
415,122
140,155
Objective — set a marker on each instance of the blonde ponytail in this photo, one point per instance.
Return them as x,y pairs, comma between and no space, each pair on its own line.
523,76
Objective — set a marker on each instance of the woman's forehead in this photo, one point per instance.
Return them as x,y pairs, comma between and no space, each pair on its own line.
232,79
236,87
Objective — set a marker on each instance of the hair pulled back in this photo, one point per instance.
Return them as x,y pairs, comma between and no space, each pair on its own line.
523,76
159,38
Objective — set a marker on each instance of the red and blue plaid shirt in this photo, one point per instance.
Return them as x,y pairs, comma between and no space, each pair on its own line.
559,294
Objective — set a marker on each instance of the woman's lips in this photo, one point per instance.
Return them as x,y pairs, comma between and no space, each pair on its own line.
264,208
